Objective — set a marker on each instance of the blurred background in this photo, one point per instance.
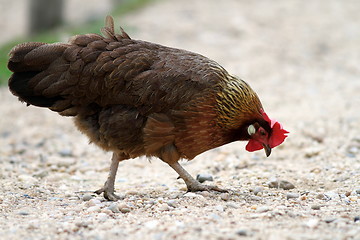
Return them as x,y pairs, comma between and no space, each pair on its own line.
301,57
53,20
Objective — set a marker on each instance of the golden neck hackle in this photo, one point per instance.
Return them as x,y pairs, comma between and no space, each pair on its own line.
236,102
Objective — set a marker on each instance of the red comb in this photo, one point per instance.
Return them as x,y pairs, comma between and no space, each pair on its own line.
278,134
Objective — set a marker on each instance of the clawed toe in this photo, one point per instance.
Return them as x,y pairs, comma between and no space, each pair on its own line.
192,184
198,187
215,188
108,194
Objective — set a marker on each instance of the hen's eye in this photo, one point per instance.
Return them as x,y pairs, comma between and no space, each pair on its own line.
251,130
262,132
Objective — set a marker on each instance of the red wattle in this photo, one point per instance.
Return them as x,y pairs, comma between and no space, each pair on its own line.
253,146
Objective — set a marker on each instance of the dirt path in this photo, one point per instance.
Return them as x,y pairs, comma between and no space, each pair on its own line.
303,61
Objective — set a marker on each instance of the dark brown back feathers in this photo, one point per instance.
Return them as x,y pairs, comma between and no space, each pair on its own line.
94,70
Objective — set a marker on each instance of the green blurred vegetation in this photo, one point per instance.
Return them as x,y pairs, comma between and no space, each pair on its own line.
125,7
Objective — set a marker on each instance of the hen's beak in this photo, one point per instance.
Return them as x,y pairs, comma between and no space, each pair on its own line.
267,149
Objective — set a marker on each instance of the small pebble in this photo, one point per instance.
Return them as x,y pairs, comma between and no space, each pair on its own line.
311,152
94,209
312,223
353,198
357,191
329,219
121,180
93,202
225,196
356,218
27,196
286,185
214,216
242,232
303,197
292,195
232,205
69,194
102,217
147,206
31,226
151,224
114,208
151,202
132,192
27,179
87,197
331,195
193,195
172,203
5,134
274,183
107,211
321,196
353,150
23,213
315,207
258,190
253,207
204,193
81,224
65,153
124,208
202,177
219,208
64,162
256,198
316,170
41,174
164,207
292,214
73,198
263,209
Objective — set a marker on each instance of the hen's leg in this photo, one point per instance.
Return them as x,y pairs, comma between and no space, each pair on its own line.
108,188
192,184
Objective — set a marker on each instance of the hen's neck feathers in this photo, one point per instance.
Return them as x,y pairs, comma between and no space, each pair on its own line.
237,104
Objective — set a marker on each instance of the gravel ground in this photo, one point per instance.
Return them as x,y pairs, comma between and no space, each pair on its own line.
301,57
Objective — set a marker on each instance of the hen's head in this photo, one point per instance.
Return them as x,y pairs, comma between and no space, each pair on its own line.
240,112
265,136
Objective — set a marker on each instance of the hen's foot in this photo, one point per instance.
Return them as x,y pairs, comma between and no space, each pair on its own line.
192,184
109,194
198,187
108,188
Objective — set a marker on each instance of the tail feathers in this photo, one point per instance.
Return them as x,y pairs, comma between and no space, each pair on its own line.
30,80
18,53
19,86
109,32
60,76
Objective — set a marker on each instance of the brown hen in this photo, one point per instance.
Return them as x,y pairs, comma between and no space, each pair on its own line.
137,98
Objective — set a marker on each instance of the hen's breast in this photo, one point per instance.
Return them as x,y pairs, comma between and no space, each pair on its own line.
116,128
